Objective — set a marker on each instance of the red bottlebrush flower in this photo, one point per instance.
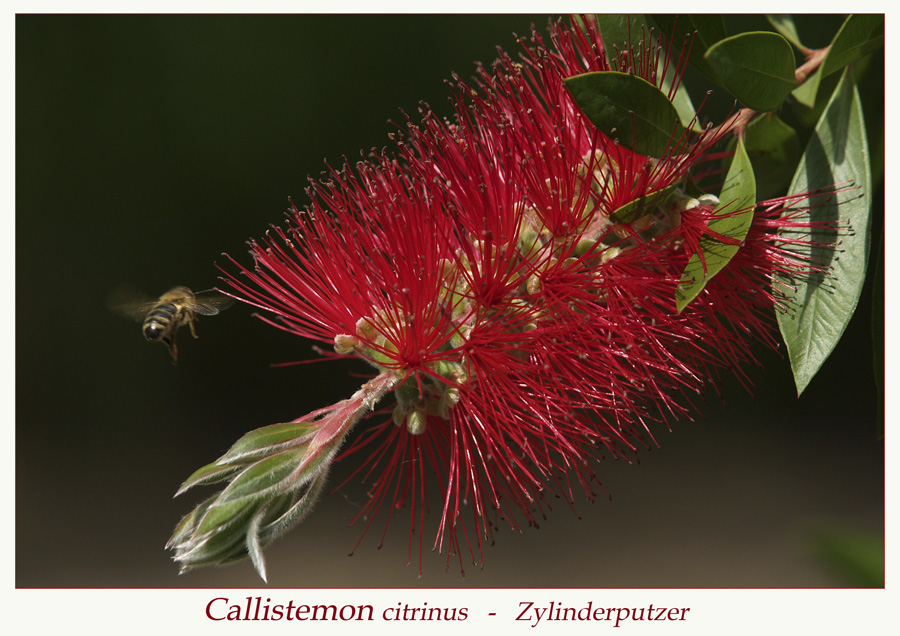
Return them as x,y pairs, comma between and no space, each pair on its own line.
523,330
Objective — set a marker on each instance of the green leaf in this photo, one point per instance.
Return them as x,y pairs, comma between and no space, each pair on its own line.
643,205
188,523
254,546
209,474
264,477
755,67
621,33
731,219
774,149
261,490
807,91
629,32
692,188
221,546
687,114
223,524
629,109
806,107
282,519
707,29
266,440
784,24
857,37
820,305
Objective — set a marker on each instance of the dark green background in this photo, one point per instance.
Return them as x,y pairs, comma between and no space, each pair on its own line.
148,145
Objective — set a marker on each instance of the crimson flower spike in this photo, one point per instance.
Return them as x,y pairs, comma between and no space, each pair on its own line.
518,311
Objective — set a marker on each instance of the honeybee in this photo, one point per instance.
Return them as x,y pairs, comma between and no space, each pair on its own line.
164,316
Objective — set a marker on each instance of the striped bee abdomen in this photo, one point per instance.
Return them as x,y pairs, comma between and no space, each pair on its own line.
159,321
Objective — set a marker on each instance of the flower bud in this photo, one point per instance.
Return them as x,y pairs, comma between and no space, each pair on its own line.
345,344
416,422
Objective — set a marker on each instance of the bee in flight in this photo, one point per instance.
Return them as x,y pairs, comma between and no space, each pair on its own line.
164,316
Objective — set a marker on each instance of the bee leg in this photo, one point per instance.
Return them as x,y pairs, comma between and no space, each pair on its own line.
190,322
172,349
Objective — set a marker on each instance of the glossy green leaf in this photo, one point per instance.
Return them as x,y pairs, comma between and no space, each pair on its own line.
732,219
683,104
643,205
756,67
774,149
821,306
621,32
784,24
265,440
807,91
687,114
628,109
857,37
807,108
706,29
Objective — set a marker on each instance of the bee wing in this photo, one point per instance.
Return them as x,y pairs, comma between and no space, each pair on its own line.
210,304
130,303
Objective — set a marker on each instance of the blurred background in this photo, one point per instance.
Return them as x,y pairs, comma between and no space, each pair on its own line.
149,145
